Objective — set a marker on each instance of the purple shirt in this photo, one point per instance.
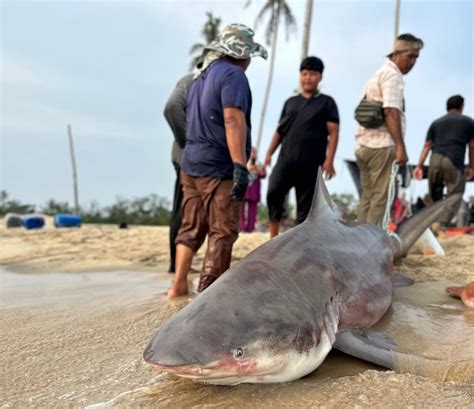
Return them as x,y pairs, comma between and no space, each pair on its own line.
252,194
222,85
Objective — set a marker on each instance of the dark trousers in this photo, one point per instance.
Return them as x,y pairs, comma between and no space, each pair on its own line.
176,217
282,179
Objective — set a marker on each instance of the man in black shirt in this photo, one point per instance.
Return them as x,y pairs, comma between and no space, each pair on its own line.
447,139
308,132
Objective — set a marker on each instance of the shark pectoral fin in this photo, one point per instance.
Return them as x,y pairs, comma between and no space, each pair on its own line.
371,346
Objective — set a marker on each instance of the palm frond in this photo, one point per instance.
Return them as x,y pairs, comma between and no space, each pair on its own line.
290,21
267,7
210,30
278,9
196,47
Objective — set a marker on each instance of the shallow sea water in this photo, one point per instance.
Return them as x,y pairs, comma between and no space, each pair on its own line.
76,340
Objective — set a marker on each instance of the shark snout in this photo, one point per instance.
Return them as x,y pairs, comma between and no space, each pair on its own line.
172,360
164,350
148,354
163,354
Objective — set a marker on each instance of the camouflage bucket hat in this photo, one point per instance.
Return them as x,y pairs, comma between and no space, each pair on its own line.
236,41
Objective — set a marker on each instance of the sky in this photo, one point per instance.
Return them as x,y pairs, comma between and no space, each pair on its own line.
108,68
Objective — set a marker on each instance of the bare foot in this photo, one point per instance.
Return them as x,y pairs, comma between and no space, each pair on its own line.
466,293
178,290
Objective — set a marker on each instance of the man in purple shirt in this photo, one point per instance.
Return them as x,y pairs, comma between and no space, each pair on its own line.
213,169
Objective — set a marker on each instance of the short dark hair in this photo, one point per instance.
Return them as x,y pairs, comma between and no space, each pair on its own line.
411,38
455,102
312,64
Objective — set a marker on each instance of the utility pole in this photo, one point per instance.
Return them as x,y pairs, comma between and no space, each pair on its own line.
397,19
74,172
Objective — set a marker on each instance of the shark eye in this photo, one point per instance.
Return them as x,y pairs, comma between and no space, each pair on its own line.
239,353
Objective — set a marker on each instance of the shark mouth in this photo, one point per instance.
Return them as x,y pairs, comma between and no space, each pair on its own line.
227,371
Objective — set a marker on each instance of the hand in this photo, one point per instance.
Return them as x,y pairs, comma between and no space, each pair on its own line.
328,169
418,173
401,157
252,167
262,173
241,181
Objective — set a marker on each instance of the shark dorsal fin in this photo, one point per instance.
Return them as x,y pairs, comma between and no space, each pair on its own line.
323,205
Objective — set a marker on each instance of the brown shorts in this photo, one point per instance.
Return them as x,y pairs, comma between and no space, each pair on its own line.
209,209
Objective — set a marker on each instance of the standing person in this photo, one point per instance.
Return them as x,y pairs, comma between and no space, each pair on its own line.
447,139
377,148
175,114
248,214
308,132
214,175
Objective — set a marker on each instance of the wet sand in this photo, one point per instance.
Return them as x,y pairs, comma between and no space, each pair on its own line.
78,306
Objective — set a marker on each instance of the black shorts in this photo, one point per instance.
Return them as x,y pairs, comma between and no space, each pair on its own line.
283,178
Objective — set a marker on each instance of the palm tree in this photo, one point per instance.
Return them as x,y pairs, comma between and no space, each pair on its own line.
277,9
210,32
307,28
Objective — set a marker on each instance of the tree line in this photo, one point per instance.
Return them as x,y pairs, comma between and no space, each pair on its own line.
151,210
146,210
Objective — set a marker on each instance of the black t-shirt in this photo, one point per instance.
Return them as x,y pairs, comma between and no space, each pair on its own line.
303,130
449,135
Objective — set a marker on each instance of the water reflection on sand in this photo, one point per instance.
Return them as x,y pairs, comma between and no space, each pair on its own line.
76,339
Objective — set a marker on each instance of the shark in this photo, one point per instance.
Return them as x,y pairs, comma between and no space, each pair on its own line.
275,315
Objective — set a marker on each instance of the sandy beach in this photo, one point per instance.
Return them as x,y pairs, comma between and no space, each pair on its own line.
79,305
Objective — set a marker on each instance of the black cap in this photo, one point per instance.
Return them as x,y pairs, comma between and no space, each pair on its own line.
313,64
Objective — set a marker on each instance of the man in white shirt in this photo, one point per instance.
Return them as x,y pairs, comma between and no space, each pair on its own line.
378,148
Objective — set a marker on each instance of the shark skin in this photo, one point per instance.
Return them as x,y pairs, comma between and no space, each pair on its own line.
275,315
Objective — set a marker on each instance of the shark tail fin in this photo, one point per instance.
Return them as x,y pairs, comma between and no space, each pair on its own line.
322,205
412,228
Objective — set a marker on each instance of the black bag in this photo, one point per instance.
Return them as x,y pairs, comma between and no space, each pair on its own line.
369,114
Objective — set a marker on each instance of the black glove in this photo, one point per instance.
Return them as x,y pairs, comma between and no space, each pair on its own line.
241,181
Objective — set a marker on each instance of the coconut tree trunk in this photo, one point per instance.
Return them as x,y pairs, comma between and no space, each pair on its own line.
74,172
397,19
307,28
276,16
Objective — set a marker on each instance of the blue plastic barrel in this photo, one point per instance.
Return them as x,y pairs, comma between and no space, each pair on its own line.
33,222
67,220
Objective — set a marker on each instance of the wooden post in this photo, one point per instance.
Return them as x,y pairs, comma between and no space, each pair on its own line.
74,172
